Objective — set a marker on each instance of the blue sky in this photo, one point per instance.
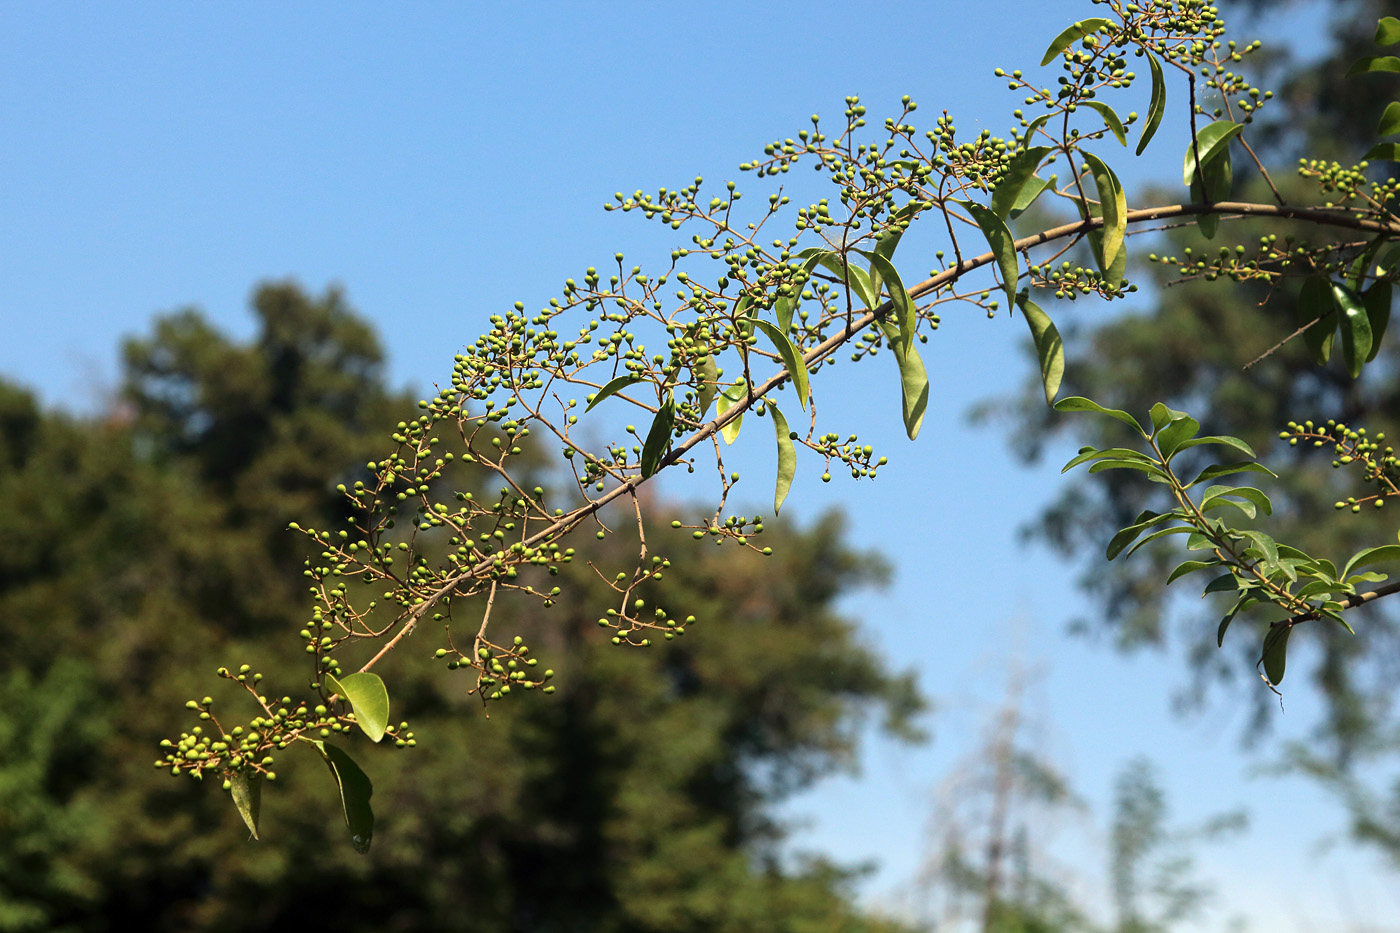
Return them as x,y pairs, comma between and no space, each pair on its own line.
441,161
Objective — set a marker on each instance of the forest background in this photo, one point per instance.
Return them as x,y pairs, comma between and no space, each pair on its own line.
439,166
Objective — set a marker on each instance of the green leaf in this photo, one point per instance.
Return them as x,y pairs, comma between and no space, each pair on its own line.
1216,470
1160,533
706,376
1356,329
1265,546
1078,403
1035,125
1117,453
1015,177
1383,152
1158,105
1049,349
1371,555
1110,118
1390,119
792,359
787,456
612,388
1170,438
884,275
1072,34
246,789
1377,302
1219,180
1221,439
368,699
1316,302
1146,519
1224,624
1002,243
1189,566
1275,652
1387,31
1211,142
727,400
355,791
1151,469
1225,583
913,379
1114,204
847,274
782,309
659,437
1374,64
1162,416
1223,494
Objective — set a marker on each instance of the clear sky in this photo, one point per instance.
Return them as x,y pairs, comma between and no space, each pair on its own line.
441,161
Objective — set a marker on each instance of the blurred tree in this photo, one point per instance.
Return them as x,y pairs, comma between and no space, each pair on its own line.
1211,349
139,539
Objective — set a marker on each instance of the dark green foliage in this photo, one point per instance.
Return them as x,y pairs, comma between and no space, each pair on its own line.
145,545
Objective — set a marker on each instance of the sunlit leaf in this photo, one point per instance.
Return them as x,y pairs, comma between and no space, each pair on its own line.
1223,440
1072,34
1387,31
855,278
1117,453
1002,243
1077,403
368,699
246,789
1157,106
1171,437
1113,202
1210,142
612,388
792,359
1383,152
1189,566
913,379
1049,348
1110,118
706,376
1014,178
1390,119
1371,555
1216,470
1355,328
787,456
727,400
1374,63
884,275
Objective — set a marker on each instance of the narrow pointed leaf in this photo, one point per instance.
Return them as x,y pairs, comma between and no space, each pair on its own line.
1224,624
1049,348
1355,327
1158,104
884,272
1018,173
1073,34
368,699
1276,652
913,379
1170,438
1225,493
782,309
1114,204
1221,439
1189,566
847,274
659,437
1033,189
706,375
1210,141
1217,470
727,400
612,388
355,791
1002,243
1225,583
1128,535
791,356
1110,118
1159,533
1371,555
1114,453
787,456
246,789
1077,403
